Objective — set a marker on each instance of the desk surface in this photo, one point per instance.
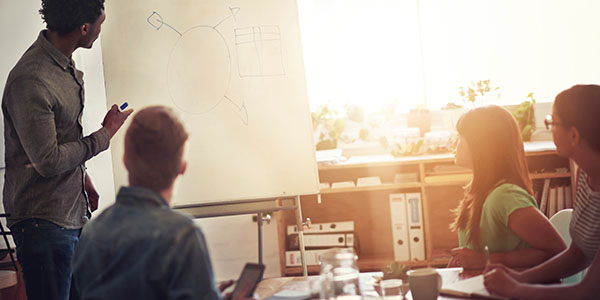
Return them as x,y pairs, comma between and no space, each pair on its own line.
270,286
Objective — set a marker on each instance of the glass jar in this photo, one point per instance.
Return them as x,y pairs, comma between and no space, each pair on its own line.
339,274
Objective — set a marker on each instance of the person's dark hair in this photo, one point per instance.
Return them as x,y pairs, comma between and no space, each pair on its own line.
498,156
63,16
579,107
154,145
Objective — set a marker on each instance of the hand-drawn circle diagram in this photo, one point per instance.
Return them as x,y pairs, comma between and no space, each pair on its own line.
199,69
199,77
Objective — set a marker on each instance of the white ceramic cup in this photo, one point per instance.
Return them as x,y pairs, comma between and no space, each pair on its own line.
425,284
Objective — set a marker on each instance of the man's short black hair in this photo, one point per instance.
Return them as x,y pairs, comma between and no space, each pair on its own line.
63,16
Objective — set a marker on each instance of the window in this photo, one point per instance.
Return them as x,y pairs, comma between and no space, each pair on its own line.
370,53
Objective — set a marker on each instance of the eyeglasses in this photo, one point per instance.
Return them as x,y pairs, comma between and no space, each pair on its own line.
549,122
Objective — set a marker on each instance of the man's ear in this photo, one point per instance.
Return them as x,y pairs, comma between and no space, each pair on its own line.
183,167
85,29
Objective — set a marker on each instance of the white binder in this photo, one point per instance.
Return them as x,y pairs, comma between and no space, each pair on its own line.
414,214
399,227
346,226
322,240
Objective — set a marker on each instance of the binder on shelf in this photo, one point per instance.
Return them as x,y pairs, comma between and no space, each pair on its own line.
560,198
342,184
551,202
406,178
368,181
346,226
544,198
568,197
292,258
399,227
322,240
414,215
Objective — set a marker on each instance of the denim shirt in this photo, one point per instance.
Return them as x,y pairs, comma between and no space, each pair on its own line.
45,149
139,248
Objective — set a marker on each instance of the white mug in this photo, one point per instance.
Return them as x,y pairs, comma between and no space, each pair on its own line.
425,284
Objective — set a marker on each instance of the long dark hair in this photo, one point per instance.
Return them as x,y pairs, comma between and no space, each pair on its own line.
496,147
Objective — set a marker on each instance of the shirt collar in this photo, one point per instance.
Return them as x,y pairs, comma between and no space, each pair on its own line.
60,59
128,193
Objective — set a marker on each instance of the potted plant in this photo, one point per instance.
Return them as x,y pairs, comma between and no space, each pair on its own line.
327,126
419,117
525,117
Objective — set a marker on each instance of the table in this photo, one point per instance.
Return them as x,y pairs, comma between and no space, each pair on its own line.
268,287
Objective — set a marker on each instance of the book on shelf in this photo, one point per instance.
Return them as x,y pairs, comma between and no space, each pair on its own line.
368,181
560,198
342,184
551,202
568,197
405,178
544,198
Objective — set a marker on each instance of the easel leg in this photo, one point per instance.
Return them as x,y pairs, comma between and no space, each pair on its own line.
259,220
300,223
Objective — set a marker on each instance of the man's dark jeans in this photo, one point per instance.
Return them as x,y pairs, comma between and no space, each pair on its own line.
44,251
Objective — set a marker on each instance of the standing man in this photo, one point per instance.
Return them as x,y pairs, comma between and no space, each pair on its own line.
46,189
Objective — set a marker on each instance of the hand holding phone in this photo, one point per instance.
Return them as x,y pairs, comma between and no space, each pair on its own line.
249,279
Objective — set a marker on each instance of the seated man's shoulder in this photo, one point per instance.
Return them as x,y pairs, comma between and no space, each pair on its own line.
177,221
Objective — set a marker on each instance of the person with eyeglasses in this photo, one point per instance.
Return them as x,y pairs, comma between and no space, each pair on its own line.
575,126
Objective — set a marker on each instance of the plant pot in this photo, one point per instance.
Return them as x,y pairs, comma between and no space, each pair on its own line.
420,119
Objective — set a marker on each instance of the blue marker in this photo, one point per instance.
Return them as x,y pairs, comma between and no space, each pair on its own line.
123,106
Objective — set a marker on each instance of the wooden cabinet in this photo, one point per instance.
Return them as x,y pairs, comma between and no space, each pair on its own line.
440,184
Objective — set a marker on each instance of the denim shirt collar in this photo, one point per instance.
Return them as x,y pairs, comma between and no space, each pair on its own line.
60,59
128,194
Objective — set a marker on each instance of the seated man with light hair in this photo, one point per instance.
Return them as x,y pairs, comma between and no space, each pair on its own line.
139,248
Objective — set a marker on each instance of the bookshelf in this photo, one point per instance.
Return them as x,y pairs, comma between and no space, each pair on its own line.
440,185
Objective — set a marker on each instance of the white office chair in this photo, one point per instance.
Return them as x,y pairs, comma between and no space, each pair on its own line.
561,221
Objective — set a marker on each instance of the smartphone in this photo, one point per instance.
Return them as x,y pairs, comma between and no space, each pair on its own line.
251,275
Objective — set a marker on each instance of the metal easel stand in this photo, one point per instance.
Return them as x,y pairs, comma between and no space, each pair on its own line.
243,207
259,220
301,225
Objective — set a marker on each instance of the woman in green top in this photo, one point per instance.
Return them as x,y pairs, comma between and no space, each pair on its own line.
497,209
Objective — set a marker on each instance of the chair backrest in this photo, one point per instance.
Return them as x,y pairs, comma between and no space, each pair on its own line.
561,221
5,233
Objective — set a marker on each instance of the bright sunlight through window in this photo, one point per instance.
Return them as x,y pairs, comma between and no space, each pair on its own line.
372,53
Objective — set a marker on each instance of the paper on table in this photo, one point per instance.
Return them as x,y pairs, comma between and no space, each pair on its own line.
470,287
290,295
